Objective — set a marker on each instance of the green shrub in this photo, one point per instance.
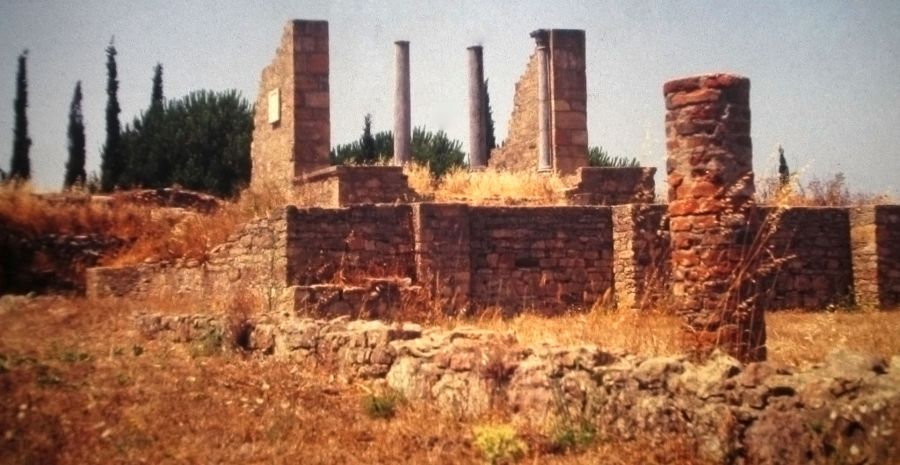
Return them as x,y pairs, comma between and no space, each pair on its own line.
382,404
499,444
572,436
211,343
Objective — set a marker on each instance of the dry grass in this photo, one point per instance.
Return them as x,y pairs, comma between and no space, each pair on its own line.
831,192
78,385
150,233
793,337
490,186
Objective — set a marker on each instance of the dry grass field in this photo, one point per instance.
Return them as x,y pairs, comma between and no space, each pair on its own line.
80,385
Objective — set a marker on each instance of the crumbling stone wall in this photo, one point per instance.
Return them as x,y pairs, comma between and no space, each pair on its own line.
875,236
710,177
612,186
519,151
548,258
568,96
253,261
300,140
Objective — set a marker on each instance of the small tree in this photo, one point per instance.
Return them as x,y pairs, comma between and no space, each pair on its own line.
20,168
112,164
367,142
75,173
784,173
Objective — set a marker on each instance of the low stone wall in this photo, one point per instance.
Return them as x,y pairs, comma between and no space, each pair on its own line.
814,245
549,258
339,186
612,186
844,410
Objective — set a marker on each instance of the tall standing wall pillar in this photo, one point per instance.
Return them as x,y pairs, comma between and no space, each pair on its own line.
402,114
711,191
477,121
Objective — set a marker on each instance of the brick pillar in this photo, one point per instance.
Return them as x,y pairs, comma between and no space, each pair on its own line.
402,118
292,126
442,248
568,85
710,201
545,155
477,122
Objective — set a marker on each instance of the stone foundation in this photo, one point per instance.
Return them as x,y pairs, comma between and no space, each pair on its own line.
846,407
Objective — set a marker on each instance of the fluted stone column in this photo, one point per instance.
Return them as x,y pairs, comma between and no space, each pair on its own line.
477,121
402,113
545,156
711,190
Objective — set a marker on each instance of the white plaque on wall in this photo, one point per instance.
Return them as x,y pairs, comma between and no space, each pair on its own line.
274,106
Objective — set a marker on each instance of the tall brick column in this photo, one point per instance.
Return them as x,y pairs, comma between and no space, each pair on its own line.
710,199
292,126
477,122
402,114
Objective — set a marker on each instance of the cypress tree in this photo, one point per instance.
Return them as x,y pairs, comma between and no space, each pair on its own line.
489,121
75,173
112,164
20,163
369,154
783,172
156,96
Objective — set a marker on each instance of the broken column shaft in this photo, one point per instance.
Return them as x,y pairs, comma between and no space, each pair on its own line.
711,191
402,113
477,121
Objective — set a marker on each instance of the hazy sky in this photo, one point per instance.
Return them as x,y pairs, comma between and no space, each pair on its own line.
825,75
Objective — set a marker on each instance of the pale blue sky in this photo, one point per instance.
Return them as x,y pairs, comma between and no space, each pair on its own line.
825,75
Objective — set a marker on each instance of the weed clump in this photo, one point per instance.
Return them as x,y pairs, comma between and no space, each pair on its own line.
499,443
382,405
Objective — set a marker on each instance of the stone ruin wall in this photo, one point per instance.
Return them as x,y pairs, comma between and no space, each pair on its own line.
814,245
568,96
546,258
543,258
729,413
300,141
252,261
519,151
875,235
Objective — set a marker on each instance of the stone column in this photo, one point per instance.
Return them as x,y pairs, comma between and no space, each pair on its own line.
711,191
477,123
542,38
402,118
